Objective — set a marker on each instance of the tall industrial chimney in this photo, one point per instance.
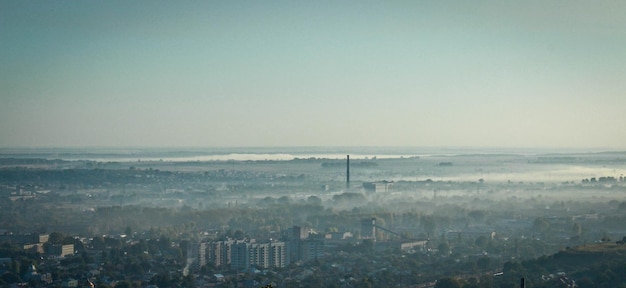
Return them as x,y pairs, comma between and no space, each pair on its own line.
348,172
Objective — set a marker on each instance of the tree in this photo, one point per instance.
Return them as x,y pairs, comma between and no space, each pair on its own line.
188,282
239,234
585,282
9,277
284,200
576,229
481,241
541,225
314,200
122,284
444,248
17,268
70,240
486,281
162,280
484,263
448,282
477,215
56,238
364,283
312,281
429,225
366,246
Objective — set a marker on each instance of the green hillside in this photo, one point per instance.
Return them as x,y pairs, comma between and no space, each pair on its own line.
595,265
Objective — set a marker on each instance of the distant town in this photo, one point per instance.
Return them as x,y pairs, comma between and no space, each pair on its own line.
462,220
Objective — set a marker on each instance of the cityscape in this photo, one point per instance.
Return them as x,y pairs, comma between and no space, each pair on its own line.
279,144
368,221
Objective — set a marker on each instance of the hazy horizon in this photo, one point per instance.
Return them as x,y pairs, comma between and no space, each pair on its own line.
313,74
193,154
277,149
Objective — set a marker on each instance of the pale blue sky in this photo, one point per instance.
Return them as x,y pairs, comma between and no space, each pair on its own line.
313,73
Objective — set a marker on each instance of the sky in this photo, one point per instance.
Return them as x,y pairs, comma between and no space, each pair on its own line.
313,73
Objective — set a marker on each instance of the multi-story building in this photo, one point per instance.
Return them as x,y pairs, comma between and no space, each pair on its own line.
218,253
24,238
202,253
61,250
295,236
240,255
311,249
377,187
368,228
278,253
243,254
260,254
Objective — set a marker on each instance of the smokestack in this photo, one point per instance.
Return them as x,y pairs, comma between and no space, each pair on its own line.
374,228
348,172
